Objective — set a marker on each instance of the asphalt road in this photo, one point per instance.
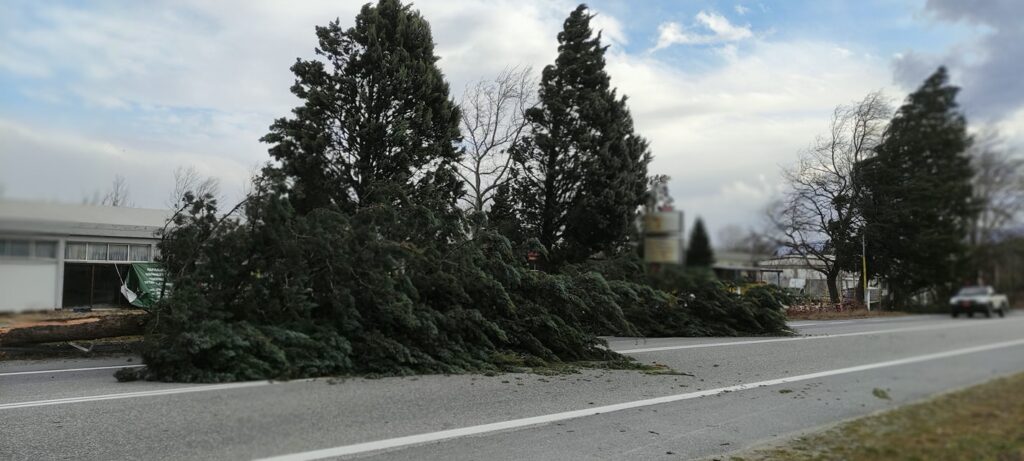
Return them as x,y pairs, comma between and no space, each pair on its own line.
732,393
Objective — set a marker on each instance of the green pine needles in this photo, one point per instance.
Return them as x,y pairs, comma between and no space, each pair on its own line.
350,256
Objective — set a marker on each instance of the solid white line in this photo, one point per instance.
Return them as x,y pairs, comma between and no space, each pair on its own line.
829,322
806,338
65,370
798,325
418,439
128,395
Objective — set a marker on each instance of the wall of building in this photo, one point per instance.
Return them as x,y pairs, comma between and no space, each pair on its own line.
27,285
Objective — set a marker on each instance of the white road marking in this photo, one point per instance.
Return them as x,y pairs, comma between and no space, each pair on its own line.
128,395
839,322
806,338
65,370
419,439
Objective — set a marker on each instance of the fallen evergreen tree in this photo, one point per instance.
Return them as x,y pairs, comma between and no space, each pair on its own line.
283,295
350,255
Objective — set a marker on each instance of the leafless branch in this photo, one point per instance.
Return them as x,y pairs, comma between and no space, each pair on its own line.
493,120
818,211
187,179
117,195
998,187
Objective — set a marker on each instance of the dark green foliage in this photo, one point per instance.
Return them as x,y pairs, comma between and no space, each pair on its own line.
698,253
349,256
708,308
918,200
676,301
582,171
247,306
376,116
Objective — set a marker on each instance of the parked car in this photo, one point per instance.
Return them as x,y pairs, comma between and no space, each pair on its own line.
983,299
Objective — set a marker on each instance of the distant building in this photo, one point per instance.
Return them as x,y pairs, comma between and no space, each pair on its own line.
805,275
56,256
743,267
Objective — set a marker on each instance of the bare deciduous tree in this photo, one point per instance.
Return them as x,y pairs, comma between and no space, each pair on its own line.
118,194
188,179
493,120
817,217
745,239
998,186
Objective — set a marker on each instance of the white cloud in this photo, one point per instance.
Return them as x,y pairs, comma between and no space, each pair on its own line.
721,31
611,29
987,64
723,135
741,10
1011,128
204,80
68,168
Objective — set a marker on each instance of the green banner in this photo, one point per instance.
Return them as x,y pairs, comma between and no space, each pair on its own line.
146,281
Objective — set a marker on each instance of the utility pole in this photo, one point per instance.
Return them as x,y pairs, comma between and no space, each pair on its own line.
864,269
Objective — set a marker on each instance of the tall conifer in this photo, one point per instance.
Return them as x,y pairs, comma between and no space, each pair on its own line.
376,121
698,252
918,199
583,170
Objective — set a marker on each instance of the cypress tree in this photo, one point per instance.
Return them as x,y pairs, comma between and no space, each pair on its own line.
583,170
376,121
918,198
699,253
337,267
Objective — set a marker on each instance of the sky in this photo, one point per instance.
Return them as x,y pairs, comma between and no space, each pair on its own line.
727,92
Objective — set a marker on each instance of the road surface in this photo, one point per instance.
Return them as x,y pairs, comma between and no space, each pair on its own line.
731,393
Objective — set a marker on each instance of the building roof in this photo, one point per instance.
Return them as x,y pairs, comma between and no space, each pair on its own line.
794,262
26,217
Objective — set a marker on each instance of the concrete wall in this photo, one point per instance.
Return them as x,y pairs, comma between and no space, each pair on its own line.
27,285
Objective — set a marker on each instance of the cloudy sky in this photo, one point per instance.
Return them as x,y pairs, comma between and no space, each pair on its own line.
727,92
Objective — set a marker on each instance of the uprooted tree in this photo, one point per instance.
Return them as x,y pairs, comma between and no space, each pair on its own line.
350,255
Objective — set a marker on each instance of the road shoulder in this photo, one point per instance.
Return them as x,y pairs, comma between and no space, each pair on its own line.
985,421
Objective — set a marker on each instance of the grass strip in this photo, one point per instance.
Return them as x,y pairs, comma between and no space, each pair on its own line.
984,422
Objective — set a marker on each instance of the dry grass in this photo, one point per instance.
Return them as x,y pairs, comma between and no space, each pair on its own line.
985,422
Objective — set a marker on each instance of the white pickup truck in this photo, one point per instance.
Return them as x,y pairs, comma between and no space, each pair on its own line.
981,299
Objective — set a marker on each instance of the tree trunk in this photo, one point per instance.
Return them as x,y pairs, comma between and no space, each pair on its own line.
78,329
832,280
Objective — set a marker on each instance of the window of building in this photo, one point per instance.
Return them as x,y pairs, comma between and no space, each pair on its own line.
117,252
15,248
113,252
97,252
75,250
24,248
140,253
45,249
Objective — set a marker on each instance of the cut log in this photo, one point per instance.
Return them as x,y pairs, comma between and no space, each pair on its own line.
76,329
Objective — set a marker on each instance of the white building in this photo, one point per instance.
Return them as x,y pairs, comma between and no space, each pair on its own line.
807,276
56,256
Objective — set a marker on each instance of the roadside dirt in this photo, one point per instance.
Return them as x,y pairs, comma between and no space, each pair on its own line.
794,314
